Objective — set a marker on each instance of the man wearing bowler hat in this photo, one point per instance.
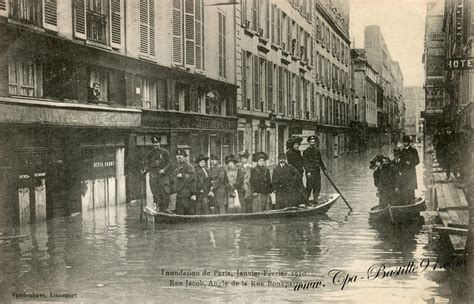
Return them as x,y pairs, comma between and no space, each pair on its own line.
285,181
408,161
313,164
184,185
158,164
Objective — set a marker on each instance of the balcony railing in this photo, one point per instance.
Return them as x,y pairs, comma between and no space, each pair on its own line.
96,27
28,11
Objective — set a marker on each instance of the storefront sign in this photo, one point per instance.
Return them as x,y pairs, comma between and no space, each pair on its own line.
187,121
460,64
39,114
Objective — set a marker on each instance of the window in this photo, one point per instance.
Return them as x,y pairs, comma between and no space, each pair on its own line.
188,33
23,78
267,19
263,84
98,85
99,21
255,15
222,45
256,82
280,90
192,101
147,27
28,11
148,93
161,94
270,106
246,79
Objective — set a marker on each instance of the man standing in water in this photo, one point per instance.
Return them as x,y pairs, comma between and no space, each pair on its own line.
313,164
158,164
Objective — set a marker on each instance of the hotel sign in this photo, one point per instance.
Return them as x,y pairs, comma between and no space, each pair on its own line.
460,64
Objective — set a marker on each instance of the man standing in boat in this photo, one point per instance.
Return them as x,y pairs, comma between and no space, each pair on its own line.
284,178
313,164
243,184
158,164
219,185
408,161
184,184
295,158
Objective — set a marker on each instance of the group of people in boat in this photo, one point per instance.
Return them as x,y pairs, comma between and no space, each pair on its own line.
395,178
238,186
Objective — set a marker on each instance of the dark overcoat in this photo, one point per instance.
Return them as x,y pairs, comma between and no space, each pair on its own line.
155,160
295,159
285,184
409,159
185,185
260,180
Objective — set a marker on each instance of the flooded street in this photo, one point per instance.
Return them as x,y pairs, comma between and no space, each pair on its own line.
109,255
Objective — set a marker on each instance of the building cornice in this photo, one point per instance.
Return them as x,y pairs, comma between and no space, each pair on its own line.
322,10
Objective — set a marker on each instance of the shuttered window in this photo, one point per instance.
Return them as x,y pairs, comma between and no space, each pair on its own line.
256,82
50,15
222,45
188,33
116,23
273,23
269,82
80,19
3,8
147,27
278,26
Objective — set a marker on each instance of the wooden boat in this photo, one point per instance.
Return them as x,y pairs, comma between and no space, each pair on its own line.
322,207
398,214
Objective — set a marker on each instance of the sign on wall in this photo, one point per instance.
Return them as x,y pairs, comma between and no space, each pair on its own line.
460,63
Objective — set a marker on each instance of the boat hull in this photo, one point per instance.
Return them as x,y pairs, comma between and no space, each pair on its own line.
398,214
300,212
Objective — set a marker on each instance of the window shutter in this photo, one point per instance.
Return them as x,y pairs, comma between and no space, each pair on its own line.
199,34
4,8
177,33
144,30
116,23
151,27
50,15
273,16
80,19
189,32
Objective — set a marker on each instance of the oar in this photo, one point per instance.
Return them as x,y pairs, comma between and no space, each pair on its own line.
391,214
335,187
142,194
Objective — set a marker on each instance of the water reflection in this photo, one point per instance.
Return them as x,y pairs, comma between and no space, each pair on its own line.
109,255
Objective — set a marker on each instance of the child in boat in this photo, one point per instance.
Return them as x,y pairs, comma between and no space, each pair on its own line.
387,180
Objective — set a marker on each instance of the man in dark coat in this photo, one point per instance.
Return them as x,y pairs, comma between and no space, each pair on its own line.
243,182
284,178
408,161
184,184
465,151
386,179
313,164
158,164
260,183
203,185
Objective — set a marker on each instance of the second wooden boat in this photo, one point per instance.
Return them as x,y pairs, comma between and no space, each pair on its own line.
398,214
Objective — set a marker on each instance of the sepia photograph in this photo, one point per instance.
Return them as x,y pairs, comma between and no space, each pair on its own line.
236,151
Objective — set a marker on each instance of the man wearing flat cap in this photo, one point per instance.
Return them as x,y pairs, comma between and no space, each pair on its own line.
184,184
313,164
203,185
158,164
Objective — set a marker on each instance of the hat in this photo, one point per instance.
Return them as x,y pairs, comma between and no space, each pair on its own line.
312,137
281,156
201,157
181,152
297,139
244,154
156,139
214,157
259,155
292,140
230,158
396,150
406,138
378,157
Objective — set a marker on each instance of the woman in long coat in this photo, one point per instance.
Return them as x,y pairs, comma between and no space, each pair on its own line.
203,185
295,158
233,177
243,182
219,185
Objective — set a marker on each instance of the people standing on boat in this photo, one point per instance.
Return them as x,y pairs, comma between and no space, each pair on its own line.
233,202
293,154
285,179
408,161
386,179
203,185
260,183
184,184
158,164
313,164
219,185
243,183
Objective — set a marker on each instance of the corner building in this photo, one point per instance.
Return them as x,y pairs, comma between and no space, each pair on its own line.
84,85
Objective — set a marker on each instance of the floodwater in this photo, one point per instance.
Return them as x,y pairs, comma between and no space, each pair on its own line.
110,256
